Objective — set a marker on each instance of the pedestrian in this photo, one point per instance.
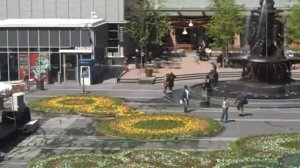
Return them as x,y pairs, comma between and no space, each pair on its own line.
220,60
166,82
225,107
185,98
26,80
171,81
208,52
204,89
137,58
126,63
142,58
240,101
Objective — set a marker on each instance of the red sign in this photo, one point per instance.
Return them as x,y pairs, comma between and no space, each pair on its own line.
37,64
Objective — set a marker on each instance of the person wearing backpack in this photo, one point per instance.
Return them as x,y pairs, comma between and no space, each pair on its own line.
240,101
171,81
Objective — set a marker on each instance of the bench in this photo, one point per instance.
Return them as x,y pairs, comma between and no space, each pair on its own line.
184,46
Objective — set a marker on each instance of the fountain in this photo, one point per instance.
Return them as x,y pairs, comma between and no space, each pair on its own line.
266,61
266,73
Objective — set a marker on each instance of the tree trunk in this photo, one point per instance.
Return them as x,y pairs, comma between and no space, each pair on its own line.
225,51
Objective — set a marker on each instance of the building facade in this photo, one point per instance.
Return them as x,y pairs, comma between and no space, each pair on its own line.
47,38
188,18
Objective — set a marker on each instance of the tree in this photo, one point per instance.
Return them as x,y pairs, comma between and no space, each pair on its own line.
293,23
146,24
225,23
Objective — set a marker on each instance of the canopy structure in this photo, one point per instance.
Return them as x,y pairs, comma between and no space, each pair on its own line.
59,23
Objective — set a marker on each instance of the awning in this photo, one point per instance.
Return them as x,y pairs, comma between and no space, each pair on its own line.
76,51
67,23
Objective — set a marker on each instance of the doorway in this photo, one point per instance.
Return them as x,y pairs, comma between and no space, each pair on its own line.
70,63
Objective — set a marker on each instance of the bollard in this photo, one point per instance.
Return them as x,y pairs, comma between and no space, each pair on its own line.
157,64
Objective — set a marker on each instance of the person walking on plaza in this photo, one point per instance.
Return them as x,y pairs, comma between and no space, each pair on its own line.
225,106
185,98
166,82
137,58
240,101
171,81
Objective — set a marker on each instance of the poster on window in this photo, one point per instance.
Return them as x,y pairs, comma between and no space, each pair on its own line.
23,65
39,66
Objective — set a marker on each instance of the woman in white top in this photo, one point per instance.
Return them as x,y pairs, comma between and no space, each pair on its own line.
225,107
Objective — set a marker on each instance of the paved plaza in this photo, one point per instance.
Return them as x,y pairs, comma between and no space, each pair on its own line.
60,134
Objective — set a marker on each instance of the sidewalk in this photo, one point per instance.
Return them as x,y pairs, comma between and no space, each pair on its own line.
183,65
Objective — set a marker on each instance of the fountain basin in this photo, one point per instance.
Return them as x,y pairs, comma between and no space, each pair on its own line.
252,89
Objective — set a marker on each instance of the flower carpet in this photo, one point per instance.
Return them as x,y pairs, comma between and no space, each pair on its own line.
167,158
263,151
159,126
86,105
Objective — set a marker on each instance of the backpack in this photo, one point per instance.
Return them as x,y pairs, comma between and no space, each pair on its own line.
245,101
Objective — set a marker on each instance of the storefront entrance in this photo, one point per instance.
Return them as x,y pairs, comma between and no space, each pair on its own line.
70,63
70,67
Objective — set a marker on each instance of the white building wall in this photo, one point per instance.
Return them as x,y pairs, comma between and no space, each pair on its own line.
37,9
75,6
13,6
3,8
110,10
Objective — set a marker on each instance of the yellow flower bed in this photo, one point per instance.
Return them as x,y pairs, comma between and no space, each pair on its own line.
159,126
190,124
90,105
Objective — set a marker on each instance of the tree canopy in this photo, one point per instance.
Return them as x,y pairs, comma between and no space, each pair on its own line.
226,22
146,24
293,23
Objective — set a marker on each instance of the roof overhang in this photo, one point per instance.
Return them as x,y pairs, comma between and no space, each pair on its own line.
86,50
51,23
203,12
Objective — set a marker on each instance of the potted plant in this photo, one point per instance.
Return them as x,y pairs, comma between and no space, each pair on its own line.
148,71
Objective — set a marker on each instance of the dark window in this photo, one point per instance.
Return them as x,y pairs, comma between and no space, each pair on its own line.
113,43
13,66
54,38
3,67
85,37
44,38
23,38
65,38
112,26
12,38
3,37
23,49
33,38
113,35
75,38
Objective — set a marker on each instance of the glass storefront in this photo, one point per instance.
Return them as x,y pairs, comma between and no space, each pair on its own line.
3,67
35,52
